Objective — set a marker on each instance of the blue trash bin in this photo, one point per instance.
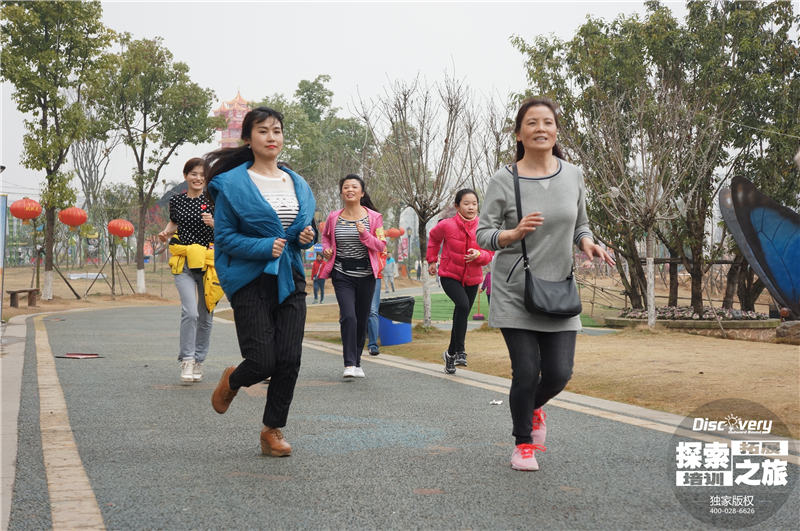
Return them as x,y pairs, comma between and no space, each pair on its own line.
394,320
393,332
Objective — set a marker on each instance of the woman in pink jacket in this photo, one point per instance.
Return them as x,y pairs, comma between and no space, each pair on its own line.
352,241
461,269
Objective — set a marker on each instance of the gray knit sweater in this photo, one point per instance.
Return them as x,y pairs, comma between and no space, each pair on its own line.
560,199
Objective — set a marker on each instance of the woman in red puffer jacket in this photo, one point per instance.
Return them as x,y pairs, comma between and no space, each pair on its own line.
460,269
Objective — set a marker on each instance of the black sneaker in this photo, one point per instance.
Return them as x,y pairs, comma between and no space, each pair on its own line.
449,363
374,352
461,359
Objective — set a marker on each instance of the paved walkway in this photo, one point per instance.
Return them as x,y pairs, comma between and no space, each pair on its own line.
118,442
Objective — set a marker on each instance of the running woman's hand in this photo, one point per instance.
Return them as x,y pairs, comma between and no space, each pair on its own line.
277,247
525,226
360,226
471,255
327,253
432,269
593,250
306,236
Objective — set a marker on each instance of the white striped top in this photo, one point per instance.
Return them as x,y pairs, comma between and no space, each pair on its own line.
279,193
349,247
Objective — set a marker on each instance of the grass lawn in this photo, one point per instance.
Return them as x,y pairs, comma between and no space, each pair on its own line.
442,309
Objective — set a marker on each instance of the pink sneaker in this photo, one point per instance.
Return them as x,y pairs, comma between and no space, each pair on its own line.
539,430
523,458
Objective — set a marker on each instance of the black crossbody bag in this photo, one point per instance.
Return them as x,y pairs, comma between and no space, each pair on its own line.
553,298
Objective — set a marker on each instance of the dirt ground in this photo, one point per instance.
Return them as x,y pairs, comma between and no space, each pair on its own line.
664,370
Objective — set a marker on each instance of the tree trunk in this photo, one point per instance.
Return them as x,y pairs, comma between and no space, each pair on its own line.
651,287
673,282
49,245
696,272
732,281
140,282
426,288
625,282
637,275
750,287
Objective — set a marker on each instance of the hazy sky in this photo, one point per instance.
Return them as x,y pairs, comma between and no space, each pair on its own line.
262,48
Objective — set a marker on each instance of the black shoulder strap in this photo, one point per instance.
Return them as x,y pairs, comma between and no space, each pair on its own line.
519,213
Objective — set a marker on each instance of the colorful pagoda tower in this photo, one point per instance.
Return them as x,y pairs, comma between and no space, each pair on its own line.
233,111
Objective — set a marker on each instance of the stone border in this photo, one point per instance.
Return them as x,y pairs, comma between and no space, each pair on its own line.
683,324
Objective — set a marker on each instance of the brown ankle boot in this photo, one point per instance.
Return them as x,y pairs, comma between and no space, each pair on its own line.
223,395
273,443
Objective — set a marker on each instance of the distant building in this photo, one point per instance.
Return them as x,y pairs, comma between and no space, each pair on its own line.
233,111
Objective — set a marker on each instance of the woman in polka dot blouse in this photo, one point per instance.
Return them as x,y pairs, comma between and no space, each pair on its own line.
191,223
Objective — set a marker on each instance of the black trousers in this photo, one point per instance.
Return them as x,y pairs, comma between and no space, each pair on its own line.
462,297
354,295
271,340
541,366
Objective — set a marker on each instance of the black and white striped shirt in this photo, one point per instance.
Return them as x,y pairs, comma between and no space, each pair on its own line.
279,193
352,257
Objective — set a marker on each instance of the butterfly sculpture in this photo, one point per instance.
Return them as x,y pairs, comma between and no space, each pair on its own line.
768,234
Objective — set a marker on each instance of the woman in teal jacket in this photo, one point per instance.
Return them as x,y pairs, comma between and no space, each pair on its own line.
263,216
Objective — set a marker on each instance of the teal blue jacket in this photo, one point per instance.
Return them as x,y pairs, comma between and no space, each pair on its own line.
245,229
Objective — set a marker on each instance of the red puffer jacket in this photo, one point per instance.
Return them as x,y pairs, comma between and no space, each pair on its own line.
456,236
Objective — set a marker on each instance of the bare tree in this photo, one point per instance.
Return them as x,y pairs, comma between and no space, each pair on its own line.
496,143
423,139
91,157
641,154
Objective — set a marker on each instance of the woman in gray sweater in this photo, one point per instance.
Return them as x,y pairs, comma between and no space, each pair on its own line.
552,192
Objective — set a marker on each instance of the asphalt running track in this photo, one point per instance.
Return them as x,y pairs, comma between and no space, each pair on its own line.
119,442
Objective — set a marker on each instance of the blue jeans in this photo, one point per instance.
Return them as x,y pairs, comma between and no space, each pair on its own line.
195,331
319,288
372,323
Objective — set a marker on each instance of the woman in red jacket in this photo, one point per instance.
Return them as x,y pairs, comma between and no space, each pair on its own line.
460,269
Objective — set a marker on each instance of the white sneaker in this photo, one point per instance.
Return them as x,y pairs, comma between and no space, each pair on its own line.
358,372
349,372
187,370
197,371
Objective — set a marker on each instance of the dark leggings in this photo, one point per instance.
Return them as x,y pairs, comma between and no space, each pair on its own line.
463,297
270,338
354,295
541,365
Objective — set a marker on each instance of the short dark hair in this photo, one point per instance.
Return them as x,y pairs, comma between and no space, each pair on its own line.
524,106
193,163
461,193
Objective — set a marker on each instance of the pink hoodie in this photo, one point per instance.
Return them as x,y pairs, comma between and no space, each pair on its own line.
455,236
373,239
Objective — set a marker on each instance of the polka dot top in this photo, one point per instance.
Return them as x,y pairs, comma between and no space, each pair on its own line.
187,213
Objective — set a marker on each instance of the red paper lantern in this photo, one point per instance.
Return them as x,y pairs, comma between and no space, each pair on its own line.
73,216
25,209
393,233
120,227
402,231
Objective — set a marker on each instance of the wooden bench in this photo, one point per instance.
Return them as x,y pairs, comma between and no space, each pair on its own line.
14,296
